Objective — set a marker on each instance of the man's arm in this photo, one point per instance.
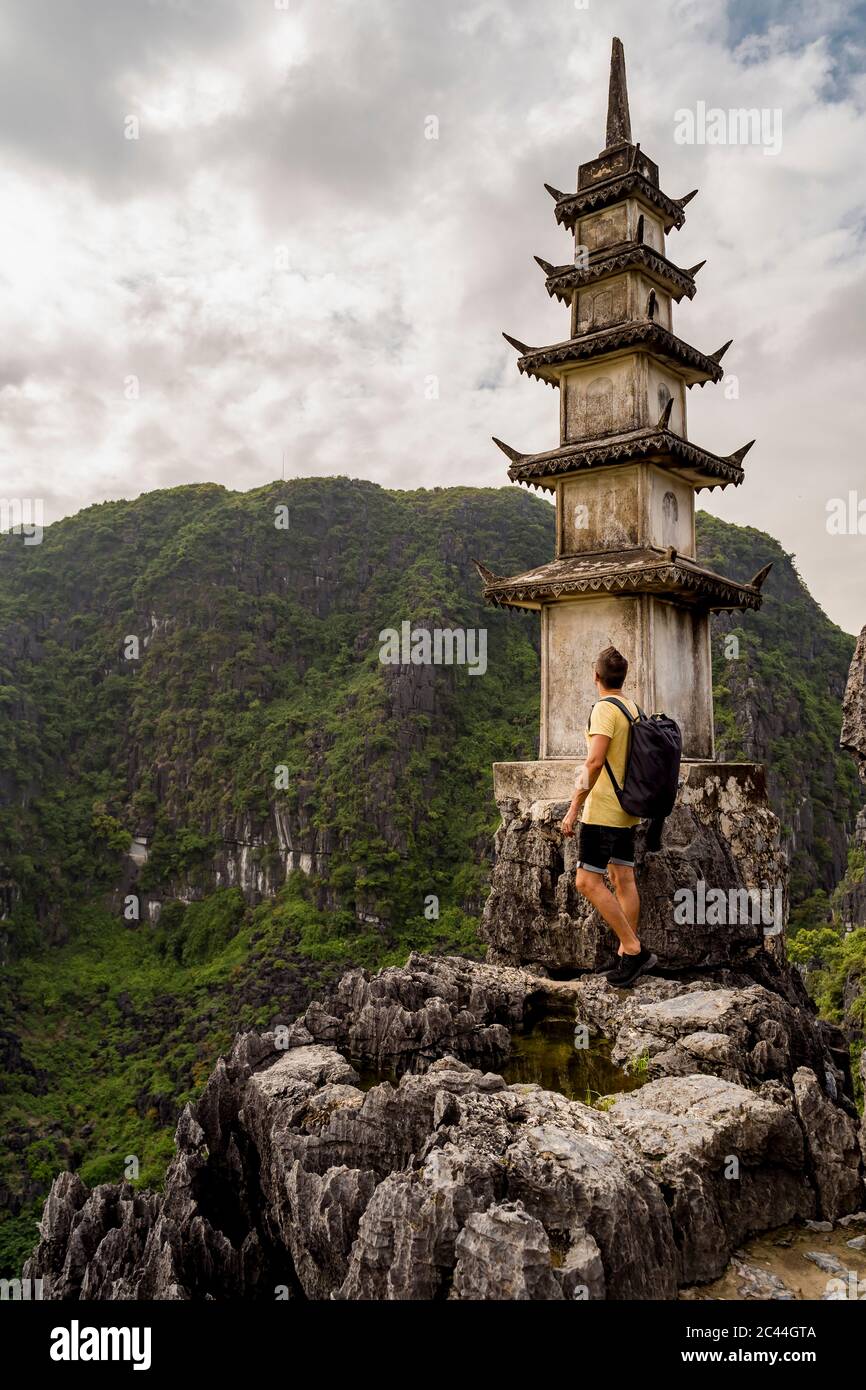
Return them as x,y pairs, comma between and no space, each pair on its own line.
586,779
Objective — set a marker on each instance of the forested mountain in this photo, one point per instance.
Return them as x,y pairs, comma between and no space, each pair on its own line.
193,679
258,649
779,702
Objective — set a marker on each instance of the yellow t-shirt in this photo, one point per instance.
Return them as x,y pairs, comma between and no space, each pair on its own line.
601,806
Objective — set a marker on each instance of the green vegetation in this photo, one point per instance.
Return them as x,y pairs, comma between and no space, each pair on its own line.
778,701
832,957
121,1025
258,651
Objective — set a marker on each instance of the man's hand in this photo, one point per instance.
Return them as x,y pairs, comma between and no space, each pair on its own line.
585,781
567,823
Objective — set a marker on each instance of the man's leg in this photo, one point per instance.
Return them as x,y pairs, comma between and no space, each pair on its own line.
625,887
596,891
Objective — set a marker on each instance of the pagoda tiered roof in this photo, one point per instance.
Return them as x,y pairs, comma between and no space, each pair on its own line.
698,466
570,207
549,363
621,172
562,280
636,571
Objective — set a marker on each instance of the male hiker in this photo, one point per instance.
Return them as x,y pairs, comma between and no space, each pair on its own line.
606,830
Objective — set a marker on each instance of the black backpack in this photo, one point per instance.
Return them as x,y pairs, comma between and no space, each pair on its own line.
652,768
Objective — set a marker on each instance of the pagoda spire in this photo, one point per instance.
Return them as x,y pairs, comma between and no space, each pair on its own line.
618,119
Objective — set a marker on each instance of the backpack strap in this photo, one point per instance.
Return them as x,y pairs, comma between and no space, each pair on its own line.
632,719
612,700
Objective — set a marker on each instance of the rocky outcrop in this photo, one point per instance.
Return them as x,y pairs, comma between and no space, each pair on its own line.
291,1180
852,905
729,1161
405,1017
725,1025
832,1148
722,834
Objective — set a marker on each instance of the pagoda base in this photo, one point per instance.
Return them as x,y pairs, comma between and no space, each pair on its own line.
667,644
722,835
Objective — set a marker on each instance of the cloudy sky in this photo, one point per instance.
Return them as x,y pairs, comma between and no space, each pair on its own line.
282,260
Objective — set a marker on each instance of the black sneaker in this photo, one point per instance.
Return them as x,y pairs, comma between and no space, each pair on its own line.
632,968
614,969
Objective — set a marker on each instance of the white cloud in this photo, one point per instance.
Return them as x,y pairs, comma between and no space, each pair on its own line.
284,260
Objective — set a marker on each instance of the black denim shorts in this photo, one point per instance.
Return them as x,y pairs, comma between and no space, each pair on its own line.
600,845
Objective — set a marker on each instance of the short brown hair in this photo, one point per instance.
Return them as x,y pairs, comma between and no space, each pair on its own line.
611,668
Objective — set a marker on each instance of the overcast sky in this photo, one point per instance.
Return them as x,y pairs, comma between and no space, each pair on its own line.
283,259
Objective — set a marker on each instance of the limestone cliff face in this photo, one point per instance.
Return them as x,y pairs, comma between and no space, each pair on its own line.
853,904
854,708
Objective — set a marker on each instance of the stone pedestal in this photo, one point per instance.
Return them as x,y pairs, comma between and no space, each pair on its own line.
722,838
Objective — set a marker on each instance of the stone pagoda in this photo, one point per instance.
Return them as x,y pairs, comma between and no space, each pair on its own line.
625,572
625,474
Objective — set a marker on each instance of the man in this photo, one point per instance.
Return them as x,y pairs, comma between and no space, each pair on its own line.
606,830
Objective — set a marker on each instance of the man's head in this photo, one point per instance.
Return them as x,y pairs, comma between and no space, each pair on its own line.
611,669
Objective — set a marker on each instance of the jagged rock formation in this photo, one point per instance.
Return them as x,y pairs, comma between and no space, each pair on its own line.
722,831
406,1017
724,1024
291,1180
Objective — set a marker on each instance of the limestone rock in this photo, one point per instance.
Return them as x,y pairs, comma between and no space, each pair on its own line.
406,1017
722,831
833,1151
828,1264
724,1025
503,1253
852,906
762,1284
730,1162
291,1180
329,1191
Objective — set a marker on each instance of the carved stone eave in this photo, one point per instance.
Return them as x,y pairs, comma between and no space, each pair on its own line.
633,184
550,363
564,279
629,572
697,466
